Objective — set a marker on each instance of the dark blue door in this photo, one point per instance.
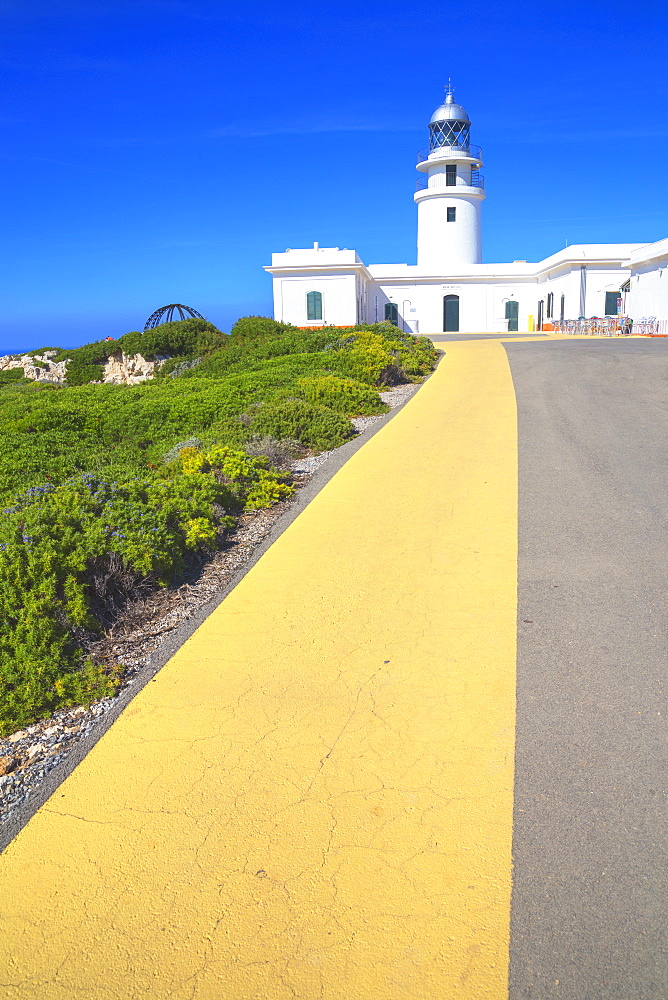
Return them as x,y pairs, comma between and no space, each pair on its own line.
392,313
451,313
512,315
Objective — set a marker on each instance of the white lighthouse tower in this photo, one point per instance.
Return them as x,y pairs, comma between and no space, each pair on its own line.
450,193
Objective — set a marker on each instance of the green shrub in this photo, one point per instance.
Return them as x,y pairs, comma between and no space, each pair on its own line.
180,338
315,426
249,327
367,357
278,453
14,376
344,395
84,364
58,544
82,374
175,451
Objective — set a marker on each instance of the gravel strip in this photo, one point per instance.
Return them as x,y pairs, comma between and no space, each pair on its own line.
29,755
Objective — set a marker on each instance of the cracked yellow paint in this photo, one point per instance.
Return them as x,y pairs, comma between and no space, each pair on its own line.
314,797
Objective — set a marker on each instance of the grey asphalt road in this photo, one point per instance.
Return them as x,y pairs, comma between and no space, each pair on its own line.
590,898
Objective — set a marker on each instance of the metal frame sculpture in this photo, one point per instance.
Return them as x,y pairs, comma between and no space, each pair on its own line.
166,314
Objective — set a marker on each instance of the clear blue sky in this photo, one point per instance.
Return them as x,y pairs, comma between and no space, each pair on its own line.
159,150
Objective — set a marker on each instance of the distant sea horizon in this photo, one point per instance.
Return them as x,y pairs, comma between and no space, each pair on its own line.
4,351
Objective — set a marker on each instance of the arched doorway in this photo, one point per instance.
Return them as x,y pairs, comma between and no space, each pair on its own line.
392,313
512,315
450,313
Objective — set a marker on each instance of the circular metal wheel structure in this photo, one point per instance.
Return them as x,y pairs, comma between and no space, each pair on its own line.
167,313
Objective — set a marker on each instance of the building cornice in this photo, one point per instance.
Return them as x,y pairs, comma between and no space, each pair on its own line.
647,253
323,269
622,258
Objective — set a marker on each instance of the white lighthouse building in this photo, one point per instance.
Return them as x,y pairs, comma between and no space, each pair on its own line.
450,288
449,193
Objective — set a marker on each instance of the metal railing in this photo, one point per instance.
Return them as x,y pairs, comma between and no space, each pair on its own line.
596,326
650,326
477,181
472,151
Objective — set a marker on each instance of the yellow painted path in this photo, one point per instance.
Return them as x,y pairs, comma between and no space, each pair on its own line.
313,799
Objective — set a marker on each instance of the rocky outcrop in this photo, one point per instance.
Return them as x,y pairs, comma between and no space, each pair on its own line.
38,367
123,369
119,368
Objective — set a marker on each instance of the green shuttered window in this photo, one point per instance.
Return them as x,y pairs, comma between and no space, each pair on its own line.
314,305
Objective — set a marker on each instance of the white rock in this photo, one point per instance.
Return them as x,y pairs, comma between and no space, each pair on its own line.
124,369
51,372
119,368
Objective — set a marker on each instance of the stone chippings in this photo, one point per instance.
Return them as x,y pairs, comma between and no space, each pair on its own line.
27,756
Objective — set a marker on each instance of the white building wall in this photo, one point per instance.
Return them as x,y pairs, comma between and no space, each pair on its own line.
566,282
497,297
339,299
599,281
557,284
648,293
421,305
446,246
354,293
339,276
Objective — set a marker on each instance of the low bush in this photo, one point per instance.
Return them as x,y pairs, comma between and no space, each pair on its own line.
55,539
180,338
344,395
14,376
174,453
82,374
249,327
279,454
315,426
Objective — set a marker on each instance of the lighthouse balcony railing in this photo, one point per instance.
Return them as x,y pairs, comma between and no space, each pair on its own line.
477,181
475,152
